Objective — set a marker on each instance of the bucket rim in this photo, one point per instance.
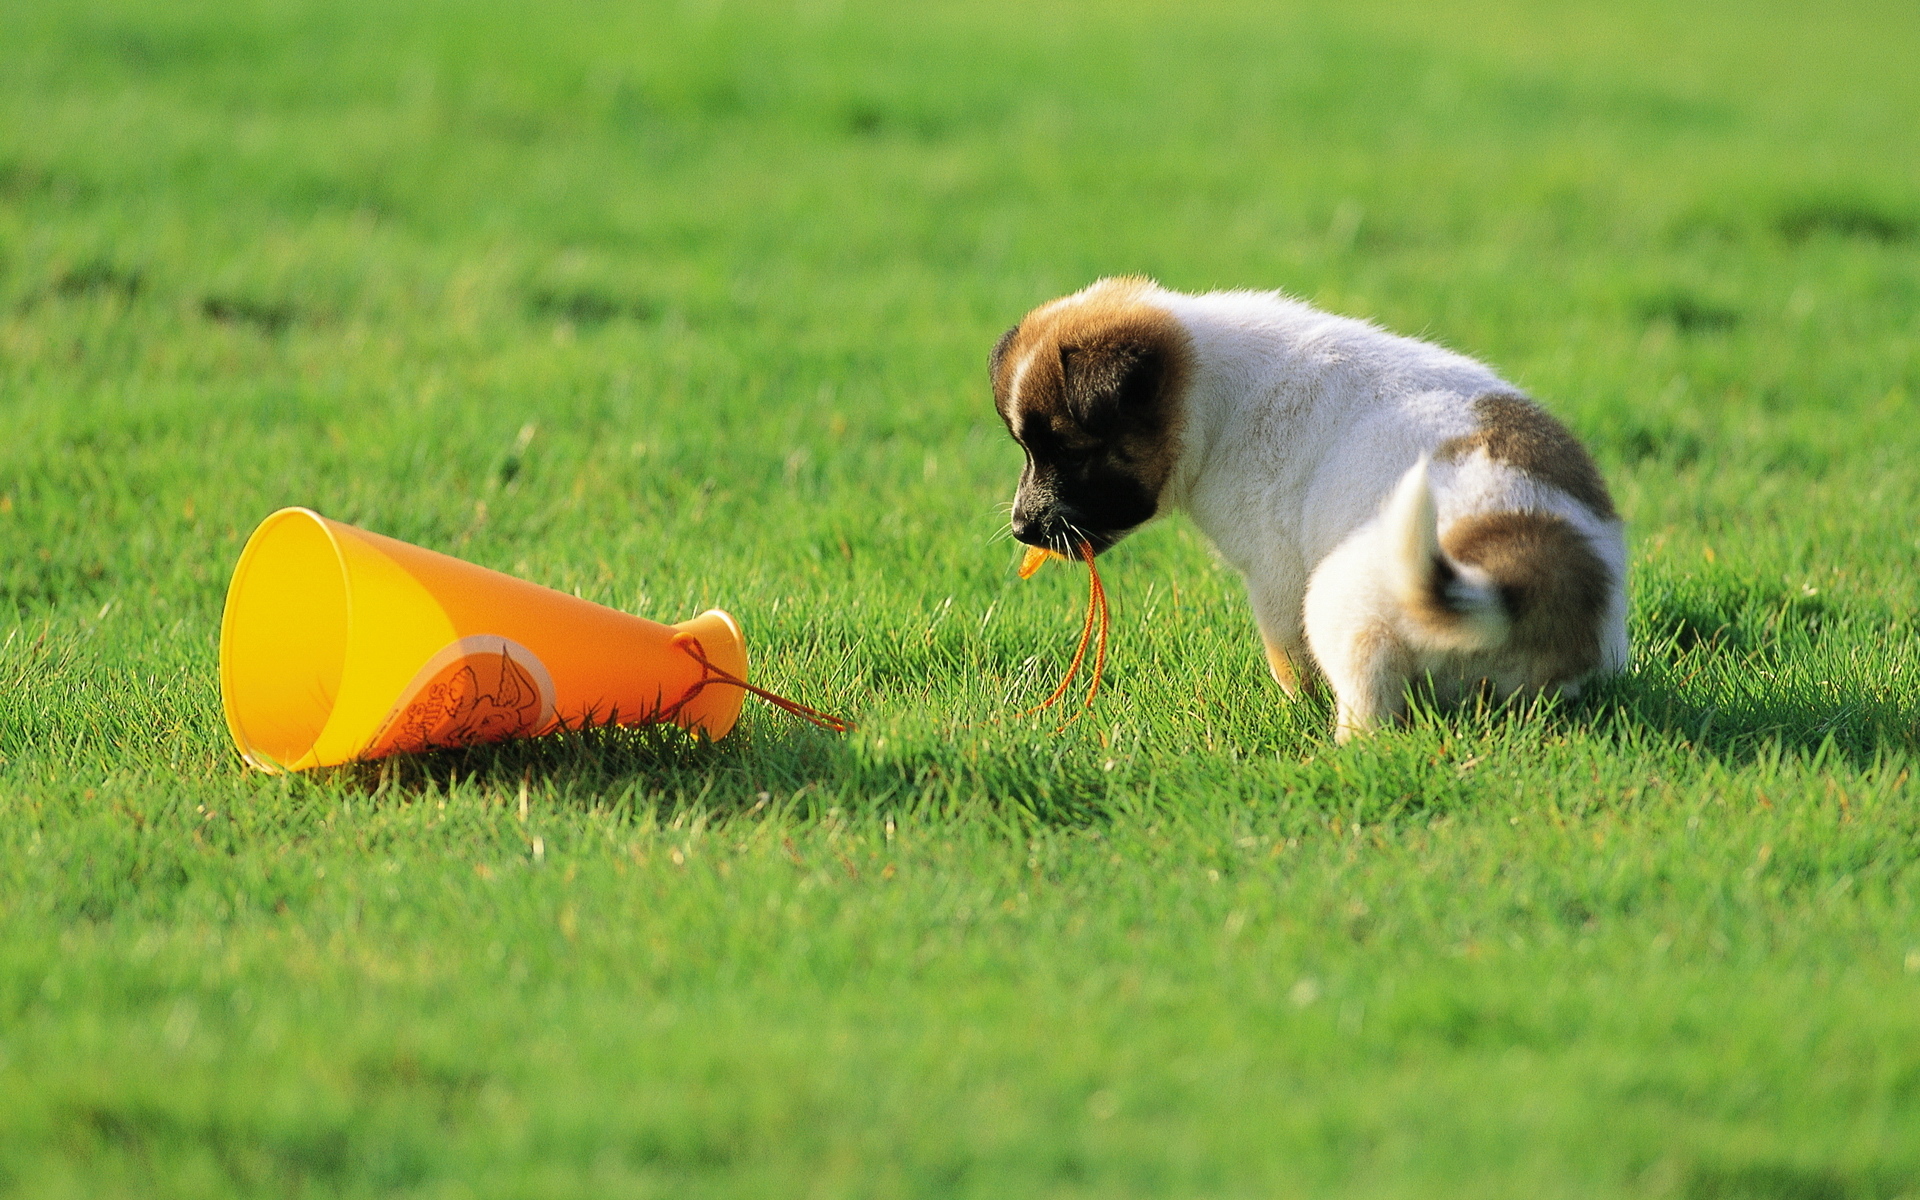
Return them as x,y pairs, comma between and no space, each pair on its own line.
255,757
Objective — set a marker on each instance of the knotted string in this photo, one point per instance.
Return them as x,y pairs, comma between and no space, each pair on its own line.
691,646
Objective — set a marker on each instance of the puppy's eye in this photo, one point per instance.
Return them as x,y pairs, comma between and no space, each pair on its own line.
1050,450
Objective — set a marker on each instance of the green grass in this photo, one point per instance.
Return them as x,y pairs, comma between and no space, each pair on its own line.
735,270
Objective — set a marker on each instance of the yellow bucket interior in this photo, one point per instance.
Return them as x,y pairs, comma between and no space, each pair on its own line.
284,639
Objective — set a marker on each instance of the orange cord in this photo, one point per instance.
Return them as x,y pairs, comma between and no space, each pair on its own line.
1098,612
1094,632
694,650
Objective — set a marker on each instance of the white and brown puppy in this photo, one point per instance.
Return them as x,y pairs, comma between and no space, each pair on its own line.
1399,511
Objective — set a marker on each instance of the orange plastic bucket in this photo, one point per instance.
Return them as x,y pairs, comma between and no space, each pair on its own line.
338,645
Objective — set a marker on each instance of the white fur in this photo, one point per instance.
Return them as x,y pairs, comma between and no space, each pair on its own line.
1306,460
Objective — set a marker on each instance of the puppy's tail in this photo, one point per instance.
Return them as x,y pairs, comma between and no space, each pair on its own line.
1448,605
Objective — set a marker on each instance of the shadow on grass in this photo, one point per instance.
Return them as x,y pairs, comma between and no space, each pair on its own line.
1733,667
1652,708
1738,729
1738,670
1727,669
807,771
1785,1181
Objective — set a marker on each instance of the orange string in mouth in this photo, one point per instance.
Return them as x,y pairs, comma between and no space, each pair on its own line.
1099,616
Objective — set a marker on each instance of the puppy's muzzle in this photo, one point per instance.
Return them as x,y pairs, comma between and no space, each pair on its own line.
1059,529
1049,533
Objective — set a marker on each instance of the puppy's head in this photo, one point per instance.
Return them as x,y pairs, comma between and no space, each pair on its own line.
1092,386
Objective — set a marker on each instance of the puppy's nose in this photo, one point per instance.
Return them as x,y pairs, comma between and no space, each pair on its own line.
1033,533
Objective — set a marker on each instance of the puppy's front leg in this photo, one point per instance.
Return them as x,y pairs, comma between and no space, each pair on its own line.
1283,636
1280,663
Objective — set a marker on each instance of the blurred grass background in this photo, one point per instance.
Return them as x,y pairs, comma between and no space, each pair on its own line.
679,305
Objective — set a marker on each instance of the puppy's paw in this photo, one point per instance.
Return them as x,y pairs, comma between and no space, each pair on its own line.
1348,726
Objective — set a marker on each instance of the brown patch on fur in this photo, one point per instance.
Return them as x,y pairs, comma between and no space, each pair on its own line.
1516,431
1080,353
1554,586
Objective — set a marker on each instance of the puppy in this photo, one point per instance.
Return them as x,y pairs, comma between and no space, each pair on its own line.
1399,511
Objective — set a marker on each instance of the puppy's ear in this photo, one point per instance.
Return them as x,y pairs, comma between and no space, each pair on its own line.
1108,381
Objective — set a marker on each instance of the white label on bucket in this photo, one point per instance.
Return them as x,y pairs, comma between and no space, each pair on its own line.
484,688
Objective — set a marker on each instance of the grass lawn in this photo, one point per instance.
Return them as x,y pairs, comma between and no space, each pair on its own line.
678,305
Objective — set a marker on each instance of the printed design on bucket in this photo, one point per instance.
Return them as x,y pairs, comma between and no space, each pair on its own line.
478,689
